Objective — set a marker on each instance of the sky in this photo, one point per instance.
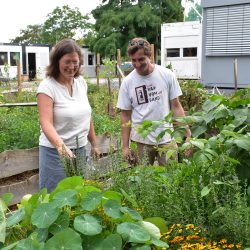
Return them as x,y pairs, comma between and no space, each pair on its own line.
18,14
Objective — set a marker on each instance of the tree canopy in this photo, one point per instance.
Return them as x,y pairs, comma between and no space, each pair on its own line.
118,21
61,23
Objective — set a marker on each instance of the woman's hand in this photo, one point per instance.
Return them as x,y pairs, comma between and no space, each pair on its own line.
95,152
64,151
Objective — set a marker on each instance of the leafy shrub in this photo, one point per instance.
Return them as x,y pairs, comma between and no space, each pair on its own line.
78,216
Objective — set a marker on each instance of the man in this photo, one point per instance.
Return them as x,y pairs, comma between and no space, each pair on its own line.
149,92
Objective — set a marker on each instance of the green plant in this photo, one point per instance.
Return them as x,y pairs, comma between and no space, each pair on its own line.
78,216
194,95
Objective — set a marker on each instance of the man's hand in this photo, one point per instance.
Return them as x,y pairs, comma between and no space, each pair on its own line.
129,156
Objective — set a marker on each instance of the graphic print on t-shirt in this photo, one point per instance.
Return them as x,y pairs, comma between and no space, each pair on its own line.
141,94
147,94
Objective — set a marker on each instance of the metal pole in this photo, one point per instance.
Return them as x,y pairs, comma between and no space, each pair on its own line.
235,74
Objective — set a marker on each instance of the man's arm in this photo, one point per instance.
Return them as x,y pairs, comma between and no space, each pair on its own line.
178,111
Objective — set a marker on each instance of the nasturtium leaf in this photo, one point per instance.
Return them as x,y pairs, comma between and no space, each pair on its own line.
159,243
133,233
112,209
205,191
92,242
44,215
66,198
87,189
26,244
42,234
133,213
111,195
15,217
61,223
68,183
113,241
91,201
152,229
159,222
87,224
66,239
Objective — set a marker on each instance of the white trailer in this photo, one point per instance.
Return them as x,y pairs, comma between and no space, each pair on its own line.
181,48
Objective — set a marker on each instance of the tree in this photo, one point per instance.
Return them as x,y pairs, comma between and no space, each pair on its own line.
31,35
193,15
64,23
61,23
118,21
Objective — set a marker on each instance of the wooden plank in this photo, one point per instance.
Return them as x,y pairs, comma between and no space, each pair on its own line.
13,162
25,104
19,189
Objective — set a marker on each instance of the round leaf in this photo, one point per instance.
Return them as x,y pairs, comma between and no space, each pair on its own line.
113,241
152,229
91,201
133,233
66,198
67,239
44,215
112,209
87,224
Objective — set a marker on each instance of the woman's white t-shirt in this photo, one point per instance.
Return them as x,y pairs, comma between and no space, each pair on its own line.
71,114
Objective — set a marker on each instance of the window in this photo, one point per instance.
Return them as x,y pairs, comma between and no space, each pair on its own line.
173,52
3,58
90,59
14,56
189,52
228,29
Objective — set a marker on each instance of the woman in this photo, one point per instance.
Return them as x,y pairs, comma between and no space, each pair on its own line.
64,113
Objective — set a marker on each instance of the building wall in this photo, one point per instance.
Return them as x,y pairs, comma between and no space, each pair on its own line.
226,43
181,36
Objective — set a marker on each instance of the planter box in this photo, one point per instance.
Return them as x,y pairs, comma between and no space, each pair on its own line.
19,168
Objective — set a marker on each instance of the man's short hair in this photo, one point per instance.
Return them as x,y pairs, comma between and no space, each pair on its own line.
139,43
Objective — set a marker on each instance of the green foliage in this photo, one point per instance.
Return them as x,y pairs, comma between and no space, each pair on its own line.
177,194
77,216
117,22
19,126
194,95
193,15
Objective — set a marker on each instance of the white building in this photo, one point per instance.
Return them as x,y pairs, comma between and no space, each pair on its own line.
34,59
181,48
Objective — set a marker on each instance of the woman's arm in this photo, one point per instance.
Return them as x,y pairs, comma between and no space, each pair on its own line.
45,109
92,139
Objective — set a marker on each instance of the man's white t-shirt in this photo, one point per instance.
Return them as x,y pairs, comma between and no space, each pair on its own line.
149,99
71,114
